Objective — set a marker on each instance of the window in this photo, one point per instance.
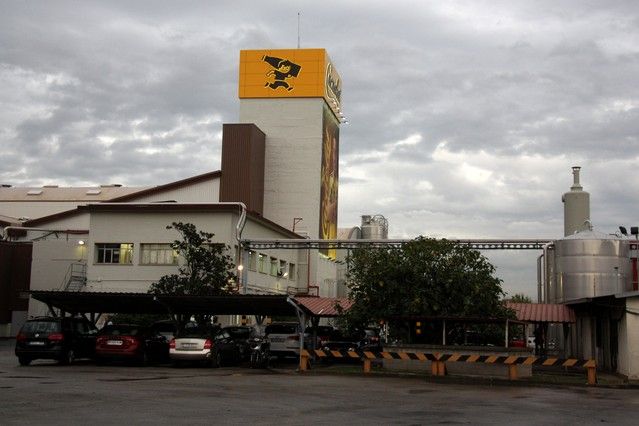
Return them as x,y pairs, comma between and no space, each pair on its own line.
282,271
291,271
273,270
261,263
158,254
121,253
252,260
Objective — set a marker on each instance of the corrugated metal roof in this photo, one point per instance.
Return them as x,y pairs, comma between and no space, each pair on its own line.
49,193
323,306
542,312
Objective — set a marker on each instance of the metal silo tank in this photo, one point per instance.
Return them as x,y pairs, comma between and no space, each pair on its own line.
374,227
590,264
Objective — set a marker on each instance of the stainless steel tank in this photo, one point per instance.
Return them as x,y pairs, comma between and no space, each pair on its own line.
590,264
374,227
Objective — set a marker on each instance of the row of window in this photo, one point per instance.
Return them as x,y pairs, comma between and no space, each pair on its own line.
265,264
164,254
122,253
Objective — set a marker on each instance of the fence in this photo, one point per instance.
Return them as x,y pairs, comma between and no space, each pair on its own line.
439,360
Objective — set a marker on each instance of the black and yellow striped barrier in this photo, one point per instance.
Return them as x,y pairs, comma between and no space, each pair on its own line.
439,360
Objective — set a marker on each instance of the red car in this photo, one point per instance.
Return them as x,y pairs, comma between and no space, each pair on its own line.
131,342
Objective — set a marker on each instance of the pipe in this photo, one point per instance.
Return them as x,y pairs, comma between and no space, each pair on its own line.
546,295
301,317
5,231
539,277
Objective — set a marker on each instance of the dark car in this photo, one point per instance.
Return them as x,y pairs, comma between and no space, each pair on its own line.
131,342
359,340
323,333
63,339
205,345
242,335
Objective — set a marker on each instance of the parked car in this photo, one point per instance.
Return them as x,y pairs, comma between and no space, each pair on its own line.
63,339
242,335
208,346
131,342
361,340
323,333
284,338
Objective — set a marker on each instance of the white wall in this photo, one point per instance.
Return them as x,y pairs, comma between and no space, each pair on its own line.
51,258
293,158
35,209
628,361
124,227
207,191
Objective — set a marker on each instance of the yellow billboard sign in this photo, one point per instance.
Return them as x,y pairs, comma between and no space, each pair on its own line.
289,73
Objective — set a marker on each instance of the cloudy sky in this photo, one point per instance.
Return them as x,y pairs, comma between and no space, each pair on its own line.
465,116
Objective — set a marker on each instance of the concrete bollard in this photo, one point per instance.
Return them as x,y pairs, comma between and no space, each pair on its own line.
592,376
303,361
512,372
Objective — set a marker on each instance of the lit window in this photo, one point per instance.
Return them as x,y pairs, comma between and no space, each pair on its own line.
261,263
120,253
252,260
158,254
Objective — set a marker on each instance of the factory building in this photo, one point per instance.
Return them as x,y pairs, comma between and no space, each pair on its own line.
278,180
596,275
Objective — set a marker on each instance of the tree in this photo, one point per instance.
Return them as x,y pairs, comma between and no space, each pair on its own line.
519,298
207,270
425,277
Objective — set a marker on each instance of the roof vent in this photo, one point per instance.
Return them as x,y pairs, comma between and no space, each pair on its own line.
34,192
94,192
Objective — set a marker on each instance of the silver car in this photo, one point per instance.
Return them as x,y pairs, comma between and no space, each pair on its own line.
285,338
209,347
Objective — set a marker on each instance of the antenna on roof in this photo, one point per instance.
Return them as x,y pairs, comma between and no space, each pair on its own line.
298,30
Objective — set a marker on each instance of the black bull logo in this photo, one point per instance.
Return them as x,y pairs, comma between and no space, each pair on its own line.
282,69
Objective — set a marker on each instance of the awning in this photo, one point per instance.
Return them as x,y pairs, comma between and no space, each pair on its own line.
144,303
542,312
323,306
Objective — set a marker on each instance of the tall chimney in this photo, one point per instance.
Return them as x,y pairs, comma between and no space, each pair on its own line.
576,206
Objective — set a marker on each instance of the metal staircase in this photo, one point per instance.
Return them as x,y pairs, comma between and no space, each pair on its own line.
76,277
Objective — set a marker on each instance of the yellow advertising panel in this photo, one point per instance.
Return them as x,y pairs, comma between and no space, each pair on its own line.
330,180
289,73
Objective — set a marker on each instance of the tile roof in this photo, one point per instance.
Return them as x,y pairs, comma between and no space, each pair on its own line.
323,306
542,312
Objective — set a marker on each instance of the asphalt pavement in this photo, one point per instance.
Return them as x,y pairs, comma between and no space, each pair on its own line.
47,393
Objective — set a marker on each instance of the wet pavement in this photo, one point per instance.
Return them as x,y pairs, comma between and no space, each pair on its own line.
46,393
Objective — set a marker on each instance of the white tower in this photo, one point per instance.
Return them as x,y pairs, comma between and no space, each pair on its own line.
576,206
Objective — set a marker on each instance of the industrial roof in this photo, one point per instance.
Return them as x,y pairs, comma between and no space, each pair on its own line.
542,312
68,194
324,306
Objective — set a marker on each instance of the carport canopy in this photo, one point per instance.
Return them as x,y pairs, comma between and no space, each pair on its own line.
144,303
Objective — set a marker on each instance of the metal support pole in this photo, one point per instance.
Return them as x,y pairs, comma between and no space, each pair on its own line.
443,332
506,345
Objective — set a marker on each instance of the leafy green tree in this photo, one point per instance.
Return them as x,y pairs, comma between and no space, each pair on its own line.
425,277
208,269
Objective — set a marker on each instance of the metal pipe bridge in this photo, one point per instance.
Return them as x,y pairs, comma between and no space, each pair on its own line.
477,244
